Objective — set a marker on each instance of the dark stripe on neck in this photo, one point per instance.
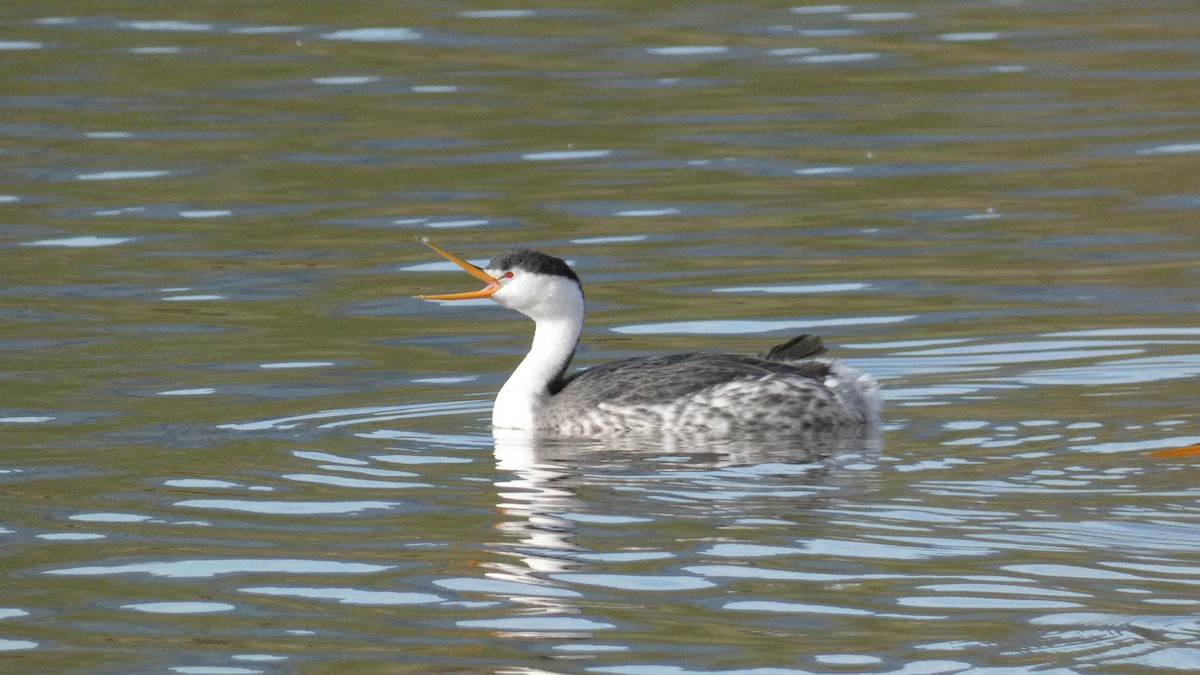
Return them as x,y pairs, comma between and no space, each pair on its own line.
557,382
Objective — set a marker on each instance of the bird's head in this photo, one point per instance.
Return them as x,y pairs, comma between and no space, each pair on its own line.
537,285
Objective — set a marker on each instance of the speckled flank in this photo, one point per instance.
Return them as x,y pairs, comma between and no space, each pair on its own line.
775,401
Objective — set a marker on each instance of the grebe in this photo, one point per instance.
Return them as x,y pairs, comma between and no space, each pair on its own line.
784,389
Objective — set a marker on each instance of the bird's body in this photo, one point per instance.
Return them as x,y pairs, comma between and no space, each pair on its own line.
706,391
781,391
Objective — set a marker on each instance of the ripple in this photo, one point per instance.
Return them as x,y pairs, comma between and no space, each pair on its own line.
70,536
852,57
969,37
500,13
327,457
156,50
450,379
934,548
345,80
776,168
820,9
1070,572
1130,332
202,568
457,441
1005,357
880,16
1188,570
1010,348
604,519
106,517
199,483
505,588
374,35
1124,371
342,481
213,670
1003,589
347,596
620,239
1116,535
1139,446
848,659
199,391
659,83
565,155
1177,626
1170,202
420,459
795,289
749,326
170,26
81,242
1169,658
751,550
631,209
285,508
793,608
121,175
366,470
293,365
368,415
186,212
1171,149
590,647
693,50
180,607
537,623
963,602
633,582
623,556
192,298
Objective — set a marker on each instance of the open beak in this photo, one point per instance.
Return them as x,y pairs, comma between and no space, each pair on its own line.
493,284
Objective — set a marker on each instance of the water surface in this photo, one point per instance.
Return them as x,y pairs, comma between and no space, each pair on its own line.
235,444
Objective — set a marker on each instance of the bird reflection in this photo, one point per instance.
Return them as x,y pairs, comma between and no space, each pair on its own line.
538,495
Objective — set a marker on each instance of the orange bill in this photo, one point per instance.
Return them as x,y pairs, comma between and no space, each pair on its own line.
1189,451
493,284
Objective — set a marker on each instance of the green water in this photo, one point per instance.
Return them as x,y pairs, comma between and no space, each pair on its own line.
233,442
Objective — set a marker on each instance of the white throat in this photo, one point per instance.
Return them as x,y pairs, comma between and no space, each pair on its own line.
558,324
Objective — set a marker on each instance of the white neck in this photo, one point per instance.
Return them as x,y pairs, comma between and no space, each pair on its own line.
527,389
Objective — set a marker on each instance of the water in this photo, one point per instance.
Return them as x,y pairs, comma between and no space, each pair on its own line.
233,443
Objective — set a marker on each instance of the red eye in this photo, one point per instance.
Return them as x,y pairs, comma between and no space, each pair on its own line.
508,275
